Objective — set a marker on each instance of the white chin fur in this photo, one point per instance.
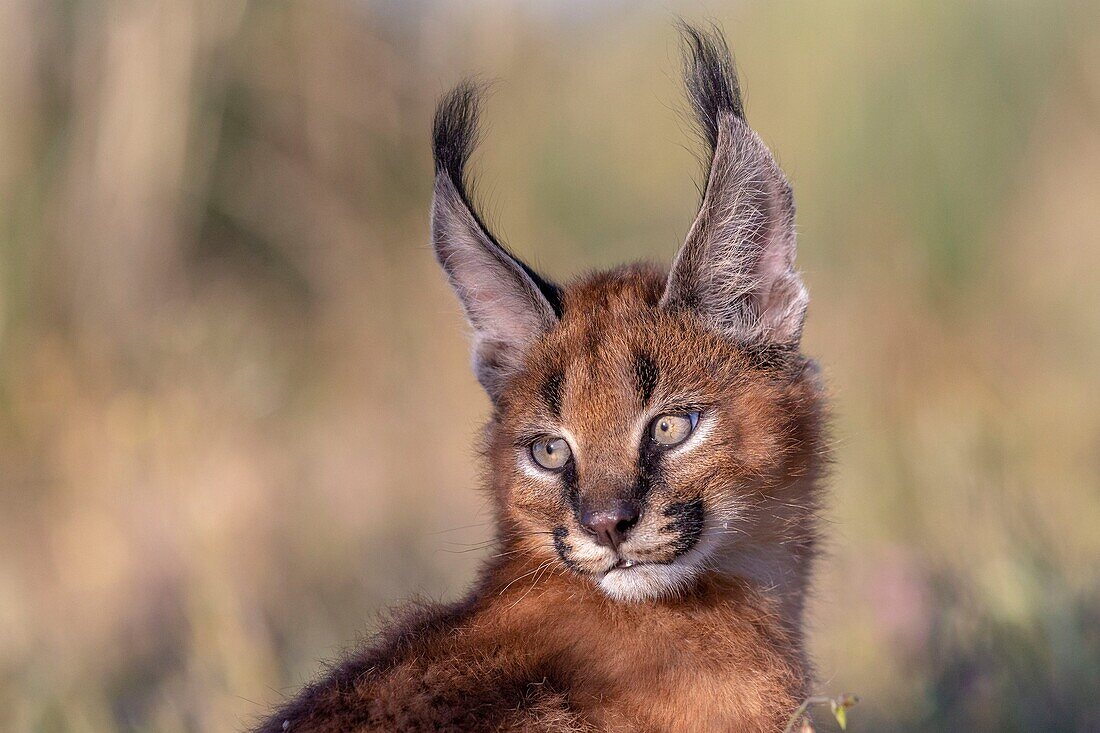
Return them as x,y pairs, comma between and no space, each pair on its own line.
646,582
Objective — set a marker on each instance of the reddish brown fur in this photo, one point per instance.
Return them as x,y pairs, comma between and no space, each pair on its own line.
539,648
683,611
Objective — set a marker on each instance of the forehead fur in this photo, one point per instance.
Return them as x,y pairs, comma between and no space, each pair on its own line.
615,293
616,347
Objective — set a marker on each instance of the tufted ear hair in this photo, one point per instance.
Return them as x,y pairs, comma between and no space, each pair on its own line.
506,302
736,269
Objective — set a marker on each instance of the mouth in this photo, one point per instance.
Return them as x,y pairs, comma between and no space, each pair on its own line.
622,574
624,563
630,580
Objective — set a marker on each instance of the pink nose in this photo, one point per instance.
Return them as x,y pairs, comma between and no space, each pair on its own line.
610,525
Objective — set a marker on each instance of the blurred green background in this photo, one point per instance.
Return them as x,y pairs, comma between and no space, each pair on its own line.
236,416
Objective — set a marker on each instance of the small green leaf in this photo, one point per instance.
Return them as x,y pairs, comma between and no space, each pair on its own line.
841,714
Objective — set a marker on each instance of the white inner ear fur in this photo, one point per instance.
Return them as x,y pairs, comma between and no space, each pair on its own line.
503,305
737,266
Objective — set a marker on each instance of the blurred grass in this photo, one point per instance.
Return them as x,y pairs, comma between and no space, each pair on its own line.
235,413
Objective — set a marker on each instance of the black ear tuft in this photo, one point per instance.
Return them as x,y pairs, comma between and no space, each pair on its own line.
455,132
710,78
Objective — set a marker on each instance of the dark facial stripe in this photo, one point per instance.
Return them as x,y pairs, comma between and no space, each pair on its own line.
563,548
571,487
552,391
649,469
646,376
688,519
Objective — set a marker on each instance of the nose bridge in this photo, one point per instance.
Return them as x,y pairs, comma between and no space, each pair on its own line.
604,408
605,491
607,470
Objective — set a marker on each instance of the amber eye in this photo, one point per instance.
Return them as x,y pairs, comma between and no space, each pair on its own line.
673,429
551,453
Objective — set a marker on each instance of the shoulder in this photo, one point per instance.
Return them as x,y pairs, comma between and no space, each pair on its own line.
342,698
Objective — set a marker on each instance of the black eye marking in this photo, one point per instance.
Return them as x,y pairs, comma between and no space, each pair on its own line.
571,487
646,376
551,392
562,547
688,520
649,470
650,474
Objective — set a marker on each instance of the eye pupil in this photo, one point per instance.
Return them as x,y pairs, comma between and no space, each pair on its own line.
669,430
551,453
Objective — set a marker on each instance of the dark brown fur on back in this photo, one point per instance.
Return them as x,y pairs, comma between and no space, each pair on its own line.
683,612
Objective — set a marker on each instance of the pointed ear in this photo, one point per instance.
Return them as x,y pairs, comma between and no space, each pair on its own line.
736,269
507,304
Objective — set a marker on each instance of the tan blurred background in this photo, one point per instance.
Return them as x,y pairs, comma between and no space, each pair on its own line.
236,417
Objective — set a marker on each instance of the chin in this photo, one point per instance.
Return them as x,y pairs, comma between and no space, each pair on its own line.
648,581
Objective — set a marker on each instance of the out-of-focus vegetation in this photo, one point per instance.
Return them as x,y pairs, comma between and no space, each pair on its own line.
236,417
